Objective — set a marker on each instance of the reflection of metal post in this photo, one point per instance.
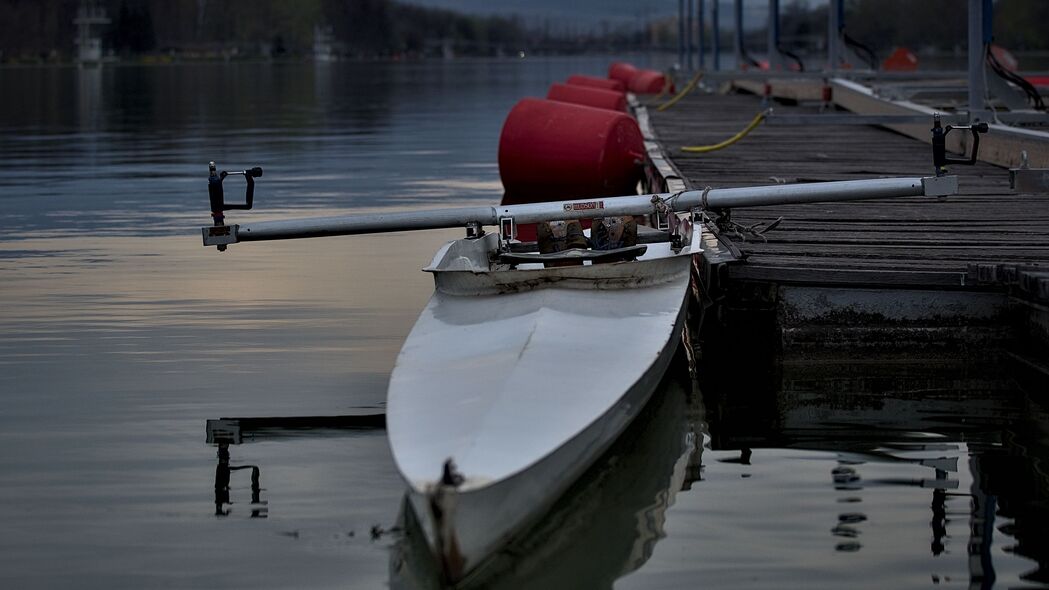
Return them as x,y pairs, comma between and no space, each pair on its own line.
259,508
836,22
981,531
939,521
715,32
258,505
980,13
222,481
939,514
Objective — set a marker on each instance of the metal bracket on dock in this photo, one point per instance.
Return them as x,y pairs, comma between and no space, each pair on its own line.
939,144
940,186
1028,180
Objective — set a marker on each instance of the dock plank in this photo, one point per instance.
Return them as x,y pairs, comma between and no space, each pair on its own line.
917,241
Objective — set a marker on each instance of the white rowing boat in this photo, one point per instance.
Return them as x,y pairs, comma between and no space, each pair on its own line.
517,376
514,380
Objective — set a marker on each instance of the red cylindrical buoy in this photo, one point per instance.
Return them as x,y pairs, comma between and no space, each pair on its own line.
649,82
622,71
588,96
549,151
595,82
901,60
1039,81
552,151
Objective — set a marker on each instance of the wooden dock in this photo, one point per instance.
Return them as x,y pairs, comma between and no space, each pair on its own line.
968,269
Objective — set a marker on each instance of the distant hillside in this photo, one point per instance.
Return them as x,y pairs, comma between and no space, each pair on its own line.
881,24
589,14
575,12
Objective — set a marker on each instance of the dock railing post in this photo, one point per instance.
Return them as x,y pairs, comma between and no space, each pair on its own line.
738,45
835,20
775,62
980,31
715,32
681,34
689,47
700,45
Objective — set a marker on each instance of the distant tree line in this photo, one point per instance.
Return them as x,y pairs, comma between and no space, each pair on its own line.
385,27
43,29
38,29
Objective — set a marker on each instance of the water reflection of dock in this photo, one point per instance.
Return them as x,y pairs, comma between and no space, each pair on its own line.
224,432
949,418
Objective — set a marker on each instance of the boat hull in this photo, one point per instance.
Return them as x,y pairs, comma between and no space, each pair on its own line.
523,390
488,517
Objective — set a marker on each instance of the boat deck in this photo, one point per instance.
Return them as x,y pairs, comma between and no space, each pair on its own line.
985,240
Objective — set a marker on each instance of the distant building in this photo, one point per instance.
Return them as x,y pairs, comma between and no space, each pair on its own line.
323,43
90,16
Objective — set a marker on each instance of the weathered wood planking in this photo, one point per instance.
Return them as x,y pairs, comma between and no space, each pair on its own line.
921,242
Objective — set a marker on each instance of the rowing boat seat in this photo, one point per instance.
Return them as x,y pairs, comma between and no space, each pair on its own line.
560,236
614,233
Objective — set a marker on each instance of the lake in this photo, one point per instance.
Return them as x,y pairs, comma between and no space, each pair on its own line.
120,337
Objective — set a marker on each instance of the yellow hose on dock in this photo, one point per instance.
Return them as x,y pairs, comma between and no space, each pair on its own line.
702,149
684,91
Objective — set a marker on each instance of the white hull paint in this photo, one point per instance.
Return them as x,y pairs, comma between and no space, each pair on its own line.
523,378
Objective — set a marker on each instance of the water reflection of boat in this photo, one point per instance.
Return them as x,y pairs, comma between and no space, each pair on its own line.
605,526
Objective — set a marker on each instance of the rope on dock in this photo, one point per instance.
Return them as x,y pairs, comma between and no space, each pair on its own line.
702,149
684,91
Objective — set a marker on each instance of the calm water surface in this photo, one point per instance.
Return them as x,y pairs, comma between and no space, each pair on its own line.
120,336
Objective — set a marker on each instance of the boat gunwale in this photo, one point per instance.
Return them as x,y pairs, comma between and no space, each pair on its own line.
645,271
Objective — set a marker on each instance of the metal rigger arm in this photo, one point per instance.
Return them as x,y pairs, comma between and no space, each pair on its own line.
472,217
506,217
